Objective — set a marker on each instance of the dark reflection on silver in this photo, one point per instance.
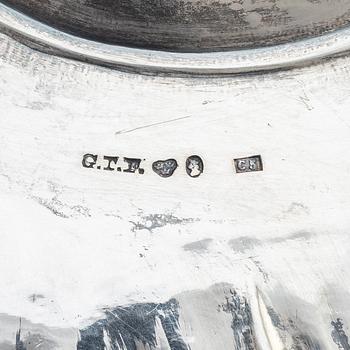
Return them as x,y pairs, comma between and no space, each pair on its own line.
189,25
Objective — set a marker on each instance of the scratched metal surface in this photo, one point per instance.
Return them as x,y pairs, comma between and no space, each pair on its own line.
94,258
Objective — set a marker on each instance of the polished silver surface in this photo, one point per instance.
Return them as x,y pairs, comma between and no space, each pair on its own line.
167,211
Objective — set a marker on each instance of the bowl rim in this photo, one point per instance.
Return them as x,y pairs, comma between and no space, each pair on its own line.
260,59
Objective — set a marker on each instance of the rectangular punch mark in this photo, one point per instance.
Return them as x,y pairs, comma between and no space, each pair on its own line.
248,164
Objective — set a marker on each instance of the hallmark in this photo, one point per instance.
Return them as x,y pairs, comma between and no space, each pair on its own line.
194,165
165,168
112,163
248,164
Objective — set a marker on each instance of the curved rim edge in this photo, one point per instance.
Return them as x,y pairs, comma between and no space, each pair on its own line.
240,61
